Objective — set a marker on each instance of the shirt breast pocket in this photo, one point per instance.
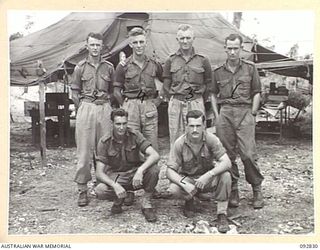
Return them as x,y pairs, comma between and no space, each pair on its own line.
206,160
244,88
104,82
113,157
196,75
131,78
188,163
132,153
176,74
87,82
149,74
224,88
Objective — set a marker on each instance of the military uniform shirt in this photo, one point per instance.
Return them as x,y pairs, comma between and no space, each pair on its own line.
238,87
93,82
186,77
135,80
183,159
121,157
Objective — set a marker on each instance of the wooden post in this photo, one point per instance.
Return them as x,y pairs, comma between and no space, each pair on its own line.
43,146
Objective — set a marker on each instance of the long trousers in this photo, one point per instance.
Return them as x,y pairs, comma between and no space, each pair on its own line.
236,130
92,122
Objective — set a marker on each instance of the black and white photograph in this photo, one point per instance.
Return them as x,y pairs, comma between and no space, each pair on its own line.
161,123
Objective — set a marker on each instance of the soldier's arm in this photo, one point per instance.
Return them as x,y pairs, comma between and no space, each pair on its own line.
152,158
174,163
76,86
102,161
118,84
256,90
256,103
213,95
166,79
207,78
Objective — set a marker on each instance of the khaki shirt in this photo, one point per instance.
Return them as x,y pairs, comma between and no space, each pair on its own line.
183,77
238,87
135,80
122,157
93,82
185,161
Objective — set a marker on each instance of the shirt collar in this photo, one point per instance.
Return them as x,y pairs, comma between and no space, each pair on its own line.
179,52
113,138
225,65
90,61
189,143
130,59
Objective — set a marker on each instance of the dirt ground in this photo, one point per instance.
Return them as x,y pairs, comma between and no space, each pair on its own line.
43,200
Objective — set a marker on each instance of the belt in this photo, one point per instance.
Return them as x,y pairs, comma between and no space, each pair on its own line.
141,96
187,98
95,101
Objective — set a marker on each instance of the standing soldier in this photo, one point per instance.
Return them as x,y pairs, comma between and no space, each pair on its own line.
236,88
186,76
91,82
135,90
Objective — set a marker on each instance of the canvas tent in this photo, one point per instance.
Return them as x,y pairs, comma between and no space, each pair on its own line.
61,45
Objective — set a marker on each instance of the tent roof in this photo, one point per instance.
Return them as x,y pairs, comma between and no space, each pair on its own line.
61,45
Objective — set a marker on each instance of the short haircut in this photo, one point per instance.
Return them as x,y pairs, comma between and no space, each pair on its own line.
233,37
185,27
195,114
136,31
95,35
118,112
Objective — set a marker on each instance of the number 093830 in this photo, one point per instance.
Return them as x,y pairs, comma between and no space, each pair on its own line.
308,246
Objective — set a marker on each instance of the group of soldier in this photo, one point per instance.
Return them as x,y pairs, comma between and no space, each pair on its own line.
122,143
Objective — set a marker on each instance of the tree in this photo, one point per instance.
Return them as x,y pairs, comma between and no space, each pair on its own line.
29,23
16,35
293,52
27,28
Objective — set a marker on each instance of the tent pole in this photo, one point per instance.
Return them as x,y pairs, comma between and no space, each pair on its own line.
42,125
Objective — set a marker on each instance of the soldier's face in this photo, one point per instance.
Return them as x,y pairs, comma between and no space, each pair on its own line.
185,39
195,128
120,125
233,49
138,44
94,46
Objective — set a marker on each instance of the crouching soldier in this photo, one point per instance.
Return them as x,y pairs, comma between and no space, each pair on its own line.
119,166
198,163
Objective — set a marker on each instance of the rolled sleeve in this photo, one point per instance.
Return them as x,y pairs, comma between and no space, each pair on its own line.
216,146
142,142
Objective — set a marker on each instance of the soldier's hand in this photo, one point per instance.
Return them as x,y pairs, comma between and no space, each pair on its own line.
190,189
203,180
120,191
137,179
